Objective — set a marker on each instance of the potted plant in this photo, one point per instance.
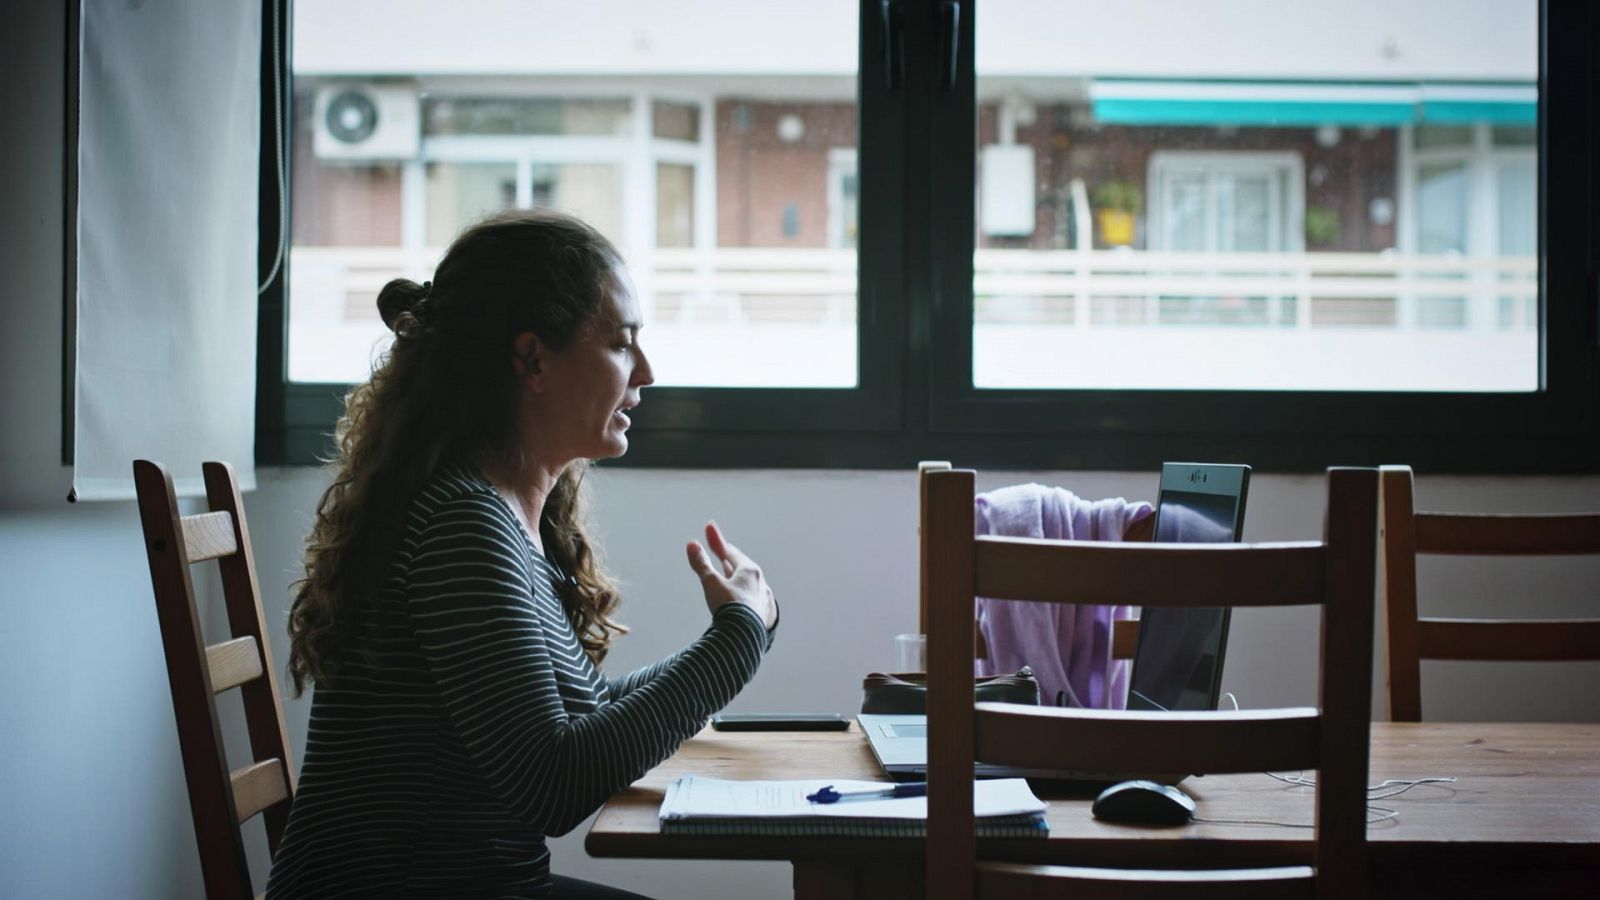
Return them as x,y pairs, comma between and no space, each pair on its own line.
1323,227
1116,204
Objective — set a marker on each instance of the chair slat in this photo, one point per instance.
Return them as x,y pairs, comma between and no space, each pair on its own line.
1188,575
1124,638
923,468
241,594
1176,742
208,536
1020,881
947,579
1510,640
233,663
1486,534
1398,592
1344,693
258,786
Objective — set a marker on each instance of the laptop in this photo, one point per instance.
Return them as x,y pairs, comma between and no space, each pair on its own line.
1178,662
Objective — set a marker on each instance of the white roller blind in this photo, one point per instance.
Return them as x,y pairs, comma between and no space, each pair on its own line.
169,100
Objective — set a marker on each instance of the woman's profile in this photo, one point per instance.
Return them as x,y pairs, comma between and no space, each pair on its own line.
454,611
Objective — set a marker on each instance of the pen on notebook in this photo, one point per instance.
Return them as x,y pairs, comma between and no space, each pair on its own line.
909,789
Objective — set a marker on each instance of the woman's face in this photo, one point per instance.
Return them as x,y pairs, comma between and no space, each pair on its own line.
589,386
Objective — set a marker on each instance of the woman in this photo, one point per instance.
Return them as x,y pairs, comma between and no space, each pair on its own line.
453,612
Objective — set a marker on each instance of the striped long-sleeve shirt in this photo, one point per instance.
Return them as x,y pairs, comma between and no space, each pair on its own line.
474,725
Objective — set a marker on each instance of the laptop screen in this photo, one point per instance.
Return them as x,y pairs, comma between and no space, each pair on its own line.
1187,518
1178,664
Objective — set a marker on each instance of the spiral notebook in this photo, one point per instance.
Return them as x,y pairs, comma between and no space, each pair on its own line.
1004,807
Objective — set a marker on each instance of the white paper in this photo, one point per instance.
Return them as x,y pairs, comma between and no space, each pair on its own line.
694,797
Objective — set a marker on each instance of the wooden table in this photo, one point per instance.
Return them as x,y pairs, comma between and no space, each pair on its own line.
1522,820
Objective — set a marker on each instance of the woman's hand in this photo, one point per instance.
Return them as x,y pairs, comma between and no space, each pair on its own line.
731,577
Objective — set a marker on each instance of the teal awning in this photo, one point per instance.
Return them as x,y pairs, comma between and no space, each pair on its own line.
1143,102
1496,104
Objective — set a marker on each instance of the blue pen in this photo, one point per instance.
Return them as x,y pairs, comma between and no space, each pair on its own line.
909,789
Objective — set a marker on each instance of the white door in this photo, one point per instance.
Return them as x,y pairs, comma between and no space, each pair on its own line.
1226,202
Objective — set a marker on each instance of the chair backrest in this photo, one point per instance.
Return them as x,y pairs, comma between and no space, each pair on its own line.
220,800
1336,574
1412,638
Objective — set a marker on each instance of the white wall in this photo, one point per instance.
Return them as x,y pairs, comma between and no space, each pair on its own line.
92,801
1337,39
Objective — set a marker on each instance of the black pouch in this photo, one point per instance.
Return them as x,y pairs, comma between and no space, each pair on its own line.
906,693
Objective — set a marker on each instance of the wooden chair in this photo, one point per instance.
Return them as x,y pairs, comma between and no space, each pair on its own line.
220,800
1336,574
1413,638
1124,632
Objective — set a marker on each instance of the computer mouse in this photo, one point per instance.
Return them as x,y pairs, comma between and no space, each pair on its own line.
1143,803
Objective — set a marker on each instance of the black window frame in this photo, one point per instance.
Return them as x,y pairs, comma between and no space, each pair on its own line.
917,132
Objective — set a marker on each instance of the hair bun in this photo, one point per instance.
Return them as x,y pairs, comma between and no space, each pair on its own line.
401,296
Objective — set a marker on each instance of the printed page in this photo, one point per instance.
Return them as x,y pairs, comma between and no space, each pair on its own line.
696,797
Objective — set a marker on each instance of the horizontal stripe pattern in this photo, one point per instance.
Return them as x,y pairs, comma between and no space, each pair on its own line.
475,725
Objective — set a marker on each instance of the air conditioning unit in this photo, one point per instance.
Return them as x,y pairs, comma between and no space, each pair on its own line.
354,121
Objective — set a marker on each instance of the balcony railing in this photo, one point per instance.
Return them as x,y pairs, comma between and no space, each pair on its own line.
1043,319
1077,288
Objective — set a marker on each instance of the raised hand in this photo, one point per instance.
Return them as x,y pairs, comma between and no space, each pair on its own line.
729,576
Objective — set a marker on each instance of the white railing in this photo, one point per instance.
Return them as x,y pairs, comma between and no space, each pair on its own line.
1299,289
1078,288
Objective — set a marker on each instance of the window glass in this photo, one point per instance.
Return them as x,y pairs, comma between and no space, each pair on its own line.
676,121
1442,194
526,115
844,192
590,191
1515,136
1517,202
1433,137
461,193
674,205
1298,202
731,194
1516,198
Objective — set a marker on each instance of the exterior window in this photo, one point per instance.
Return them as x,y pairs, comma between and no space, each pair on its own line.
674,205
844,198
1476,210
860,238
459,193
527,115
1227,203
1300,225
721,192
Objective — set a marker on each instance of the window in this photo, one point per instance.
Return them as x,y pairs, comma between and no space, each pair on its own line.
720,190
866,233
844,198
1226,202
1476,195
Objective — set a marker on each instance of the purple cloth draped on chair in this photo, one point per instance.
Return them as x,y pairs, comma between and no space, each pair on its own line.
1068,646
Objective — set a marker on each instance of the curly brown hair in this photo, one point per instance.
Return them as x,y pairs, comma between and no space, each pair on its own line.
446,393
